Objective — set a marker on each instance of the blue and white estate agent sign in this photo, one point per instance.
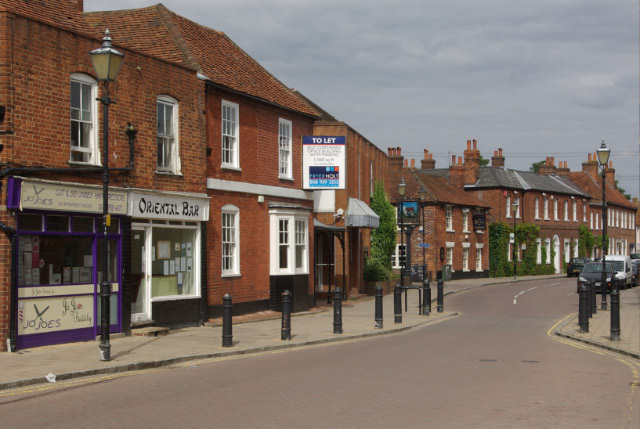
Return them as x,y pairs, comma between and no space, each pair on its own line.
323,160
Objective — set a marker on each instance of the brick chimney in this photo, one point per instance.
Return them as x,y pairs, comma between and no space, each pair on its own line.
413,163
471,163
549,167
591,166
456,172
610,175
79,4
562,169
428,163
395,158
497,160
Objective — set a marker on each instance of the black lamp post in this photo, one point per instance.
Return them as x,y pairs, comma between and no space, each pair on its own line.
402,187
514,209
603,159
423,196
106,63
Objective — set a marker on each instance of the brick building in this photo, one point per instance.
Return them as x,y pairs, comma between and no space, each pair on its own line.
52,166
344,219
451,221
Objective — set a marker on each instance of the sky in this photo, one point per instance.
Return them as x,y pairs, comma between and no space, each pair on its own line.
538,78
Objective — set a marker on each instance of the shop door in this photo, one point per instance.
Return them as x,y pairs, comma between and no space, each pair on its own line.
140,264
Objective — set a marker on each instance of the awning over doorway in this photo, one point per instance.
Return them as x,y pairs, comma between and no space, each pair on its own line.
360,215
319,225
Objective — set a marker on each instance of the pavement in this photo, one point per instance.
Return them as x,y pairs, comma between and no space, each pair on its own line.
261,332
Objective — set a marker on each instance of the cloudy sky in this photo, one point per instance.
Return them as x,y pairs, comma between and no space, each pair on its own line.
539,78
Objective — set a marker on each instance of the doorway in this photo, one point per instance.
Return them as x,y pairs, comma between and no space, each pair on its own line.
140,294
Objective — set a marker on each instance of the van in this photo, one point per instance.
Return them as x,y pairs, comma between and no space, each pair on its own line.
621,264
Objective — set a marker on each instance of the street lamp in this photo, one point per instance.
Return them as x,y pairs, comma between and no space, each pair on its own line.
603,159
514,209
402,187
106,63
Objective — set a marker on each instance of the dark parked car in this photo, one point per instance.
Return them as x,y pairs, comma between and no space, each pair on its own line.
592,271
575,266
635,256
635,271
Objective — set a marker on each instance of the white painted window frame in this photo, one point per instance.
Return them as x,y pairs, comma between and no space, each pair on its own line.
93,150
230,129
285,149
174,149
227,211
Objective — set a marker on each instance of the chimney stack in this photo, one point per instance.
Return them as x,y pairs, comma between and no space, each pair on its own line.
471,163
428,163
590,167
456,172
610,175
497,160
562,169
395,159
549,166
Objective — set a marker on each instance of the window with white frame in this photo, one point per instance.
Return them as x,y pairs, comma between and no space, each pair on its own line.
575,211
450,257
230,135
478,259
555,209
289,238
538,250
608,217
617,218
546,209
167,121
537,208
449,217
465,220
598,221
397,257
548,246
84,128
508,206
230,237
517,202
284,139
584,212
566,211
465,259
591,221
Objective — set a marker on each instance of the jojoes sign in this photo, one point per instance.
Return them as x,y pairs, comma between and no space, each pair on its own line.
171,208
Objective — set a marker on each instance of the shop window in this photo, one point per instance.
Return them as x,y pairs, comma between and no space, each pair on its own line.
83,224
56,223
172,262
30,222
284,138
84,138
167,121
230,133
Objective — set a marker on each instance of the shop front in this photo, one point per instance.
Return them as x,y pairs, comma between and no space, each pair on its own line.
58,264
167,275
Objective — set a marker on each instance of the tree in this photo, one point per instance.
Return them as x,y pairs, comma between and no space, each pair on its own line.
383,239
535,167
622,191
484,161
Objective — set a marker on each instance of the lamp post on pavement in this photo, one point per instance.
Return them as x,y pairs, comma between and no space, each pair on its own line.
402,187
423,196
106,63
514,208
603,159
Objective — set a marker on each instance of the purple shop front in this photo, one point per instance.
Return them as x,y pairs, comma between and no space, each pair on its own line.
58,264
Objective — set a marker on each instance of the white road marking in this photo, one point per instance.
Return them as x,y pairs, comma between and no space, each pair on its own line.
515,298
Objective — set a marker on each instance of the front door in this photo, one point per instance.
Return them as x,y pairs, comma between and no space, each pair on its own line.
140,265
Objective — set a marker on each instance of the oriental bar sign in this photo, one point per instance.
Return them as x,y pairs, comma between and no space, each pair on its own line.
68,197
174,207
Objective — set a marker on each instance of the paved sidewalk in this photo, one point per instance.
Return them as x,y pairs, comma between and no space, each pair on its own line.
30,366
600,326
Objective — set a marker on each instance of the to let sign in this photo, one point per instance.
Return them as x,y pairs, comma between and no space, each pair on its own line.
323,159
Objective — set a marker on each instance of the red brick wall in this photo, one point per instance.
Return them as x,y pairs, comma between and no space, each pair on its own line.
36,62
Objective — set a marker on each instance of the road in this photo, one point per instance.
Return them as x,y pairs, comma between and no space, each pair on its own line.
495,365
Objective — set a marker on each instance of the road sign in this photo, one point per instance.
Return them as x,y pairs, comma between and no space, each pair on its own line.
425,245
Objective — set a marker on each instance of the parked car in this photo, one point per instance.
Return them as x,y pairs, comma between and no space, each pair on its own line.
621,264
635,271
575,265
635,256
592,272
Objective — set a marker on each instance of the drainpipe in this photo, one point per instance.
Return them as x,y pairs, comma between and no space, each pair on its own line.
11,233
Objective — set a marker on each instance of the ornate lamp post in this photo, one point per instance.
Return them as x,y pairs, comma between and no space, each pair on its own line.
514,209
106,63
402,187
603,159
423,196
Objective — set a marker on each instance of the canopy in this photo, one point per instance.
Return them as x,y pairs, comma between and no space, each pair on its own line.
360,215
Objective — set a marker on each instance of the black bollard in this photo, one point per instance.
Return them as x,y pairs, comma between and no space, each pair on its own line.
397,304
337,311
583,316
615,315
426,298
286,315
440,297
227,314
378,316
594,304
589,307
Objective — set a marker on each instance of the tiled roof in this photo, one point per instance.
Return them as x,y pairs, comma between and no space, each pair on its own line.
439,190
594,188
160,33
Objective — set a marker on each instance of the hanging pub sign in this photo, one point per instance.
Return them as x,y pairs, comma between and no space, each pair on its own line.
408,213
323,161
479,222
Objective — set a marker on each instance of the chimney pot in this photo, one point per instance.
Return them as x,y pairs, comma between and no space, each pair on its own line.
475,144
589,157
453,160
459,160
413,163
406,163
468,144
500,151
430,156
